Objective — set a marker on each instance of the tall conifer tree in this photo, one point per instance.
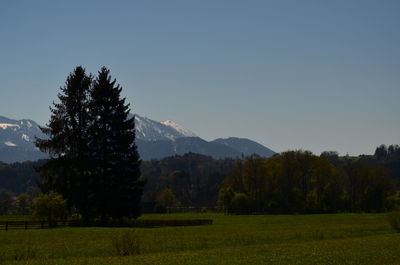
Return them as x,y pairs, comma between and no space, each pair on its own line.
67,169
115,158
94,161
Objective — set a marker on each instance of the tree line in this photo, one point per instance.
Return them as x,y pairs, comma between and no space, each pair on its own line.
300,182
290,182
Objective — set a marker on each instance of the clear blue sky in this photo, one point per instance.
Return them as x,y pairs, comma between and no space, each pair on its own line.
316,75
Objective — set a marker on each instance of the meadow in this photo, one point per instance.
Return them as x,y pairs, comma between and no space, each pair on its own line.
263,239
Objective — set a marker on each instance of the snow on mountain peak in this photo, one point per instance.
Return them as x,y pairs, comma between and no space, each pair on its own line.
150,130
19,133
185,132
9,143
8,125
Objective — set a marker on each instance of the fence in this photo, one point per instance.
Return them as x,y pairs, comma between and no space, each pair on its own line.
145,223
25,225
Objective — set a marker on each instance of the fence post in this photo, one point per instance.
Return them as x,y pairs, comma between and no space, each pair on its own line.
26,225
42,225
6,225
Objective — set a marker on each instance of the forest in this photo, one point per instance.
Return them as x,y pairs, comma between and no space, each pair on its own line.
289,182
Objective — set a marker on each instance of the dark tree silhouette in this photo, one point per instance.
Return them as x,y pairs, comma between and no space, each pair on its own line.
67,170
94,162
115,159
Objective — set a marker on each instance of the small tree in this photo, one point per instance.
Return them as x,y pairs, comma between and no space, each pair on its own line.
167,199
24,203
225,197
50,207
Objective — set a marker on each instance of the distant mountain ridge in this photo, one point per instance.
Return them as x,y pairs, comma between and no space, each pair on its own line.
154,139
150,130
17,140
245,146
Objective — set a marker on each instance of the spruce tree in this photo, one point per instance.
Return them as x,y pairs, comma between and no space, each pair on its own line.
94,163
115,159
67,170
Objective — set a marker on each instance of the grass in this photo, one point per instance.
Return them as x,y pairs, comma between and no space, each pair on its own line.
276,239
394,220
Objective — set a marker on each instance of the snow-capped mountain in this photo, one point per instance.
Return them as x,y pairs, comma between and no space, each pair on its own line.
17,139
154,140
177,127
150,130
19,133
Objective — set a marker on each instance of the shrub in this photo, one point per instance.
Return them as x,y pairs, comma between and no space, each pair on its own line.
127,243
225,197
50,207
240,204
167,200
394,220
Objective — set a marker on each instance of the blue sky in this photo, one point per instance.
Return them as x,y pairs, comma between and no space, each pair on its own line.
315,75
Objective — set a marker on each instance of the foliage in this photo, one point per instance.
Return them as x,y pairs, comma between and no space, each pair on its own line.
114,156
66,171
194,179
343,184
300,182
6,202
94,162
240,204
127,243
19,177
50,207
167,199
391,152
225,197
23,204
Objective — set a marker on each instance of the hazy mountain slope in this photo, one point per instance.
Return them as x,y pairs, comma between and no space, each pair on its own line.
245,146
163,148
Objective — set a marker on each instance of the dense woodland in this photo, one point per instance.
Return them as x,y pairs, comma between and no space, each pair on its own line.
290,182
300,182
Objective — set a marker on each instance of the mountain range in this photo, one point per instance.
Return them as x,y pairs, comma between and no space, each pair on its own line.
154,139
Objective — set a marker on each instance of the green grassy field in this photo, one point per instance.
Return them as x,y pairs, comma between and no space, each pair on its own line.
276,239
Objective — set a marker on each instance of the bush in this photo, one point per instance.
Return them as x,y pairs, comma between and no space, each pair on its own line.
23,204
50,207
225,196
127,243
167,200
394,220
240,204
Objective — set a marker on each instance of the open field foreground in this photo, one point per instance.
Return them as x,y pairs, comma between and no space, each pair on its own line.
277,239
